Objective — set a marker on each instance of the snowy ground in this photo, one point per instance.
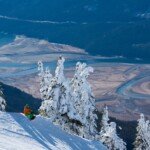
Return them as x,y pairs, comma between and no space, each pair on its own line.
18,133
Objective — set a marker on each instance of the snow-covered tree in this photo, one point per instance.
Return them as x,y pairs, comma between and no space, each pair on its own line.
2,102
69,103
45,79
105,120
54,90
84,101
58,100
45,84
59,72
61,93
142,141
108,134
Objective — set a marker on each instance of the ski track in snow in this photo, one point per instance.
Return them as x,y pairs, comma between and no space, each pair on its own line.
18,133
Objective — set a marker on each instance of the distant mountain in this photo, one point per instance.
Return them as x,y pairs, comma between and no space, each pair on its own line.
75,10
108,28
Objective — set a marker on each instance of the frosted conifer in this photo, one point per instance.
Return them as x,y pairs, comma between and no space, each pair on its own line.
69,103
2,102
84,101
142,141
108,134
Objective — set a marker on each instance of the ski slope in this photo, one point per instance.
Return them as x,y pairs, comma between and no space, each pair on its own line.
18,133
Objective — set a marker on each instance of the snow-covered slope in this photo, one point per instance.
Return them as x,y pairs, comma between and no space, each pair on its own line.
18,133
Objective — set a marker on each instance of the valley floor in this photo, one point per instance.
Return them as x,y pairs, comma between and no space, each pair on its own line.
124,88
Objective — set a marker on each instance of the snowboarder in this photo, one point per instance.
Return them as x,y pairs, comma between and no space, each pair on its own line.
28,112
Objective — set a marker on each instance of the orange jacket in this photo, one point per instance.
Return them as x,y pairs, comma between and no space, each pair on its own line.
27,111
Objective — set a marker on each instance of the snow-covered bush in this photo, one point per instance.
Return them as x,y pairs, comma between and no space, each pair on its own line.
108,134
2,102
142,141
69,103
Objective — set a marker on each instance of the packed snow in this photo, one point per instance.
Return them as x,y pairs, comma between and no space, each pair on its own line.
18,133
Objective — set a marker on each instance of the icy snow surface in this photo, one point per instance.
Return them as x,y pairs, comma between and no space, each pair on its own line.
18,133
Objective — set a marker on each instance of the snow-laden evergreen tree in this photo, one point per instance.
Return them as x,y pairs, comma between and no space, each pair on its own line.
84,101
59,72
69,103
2,101
45,84
57,97
108,134
45,79
105,120
142,141
61,93
53,90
